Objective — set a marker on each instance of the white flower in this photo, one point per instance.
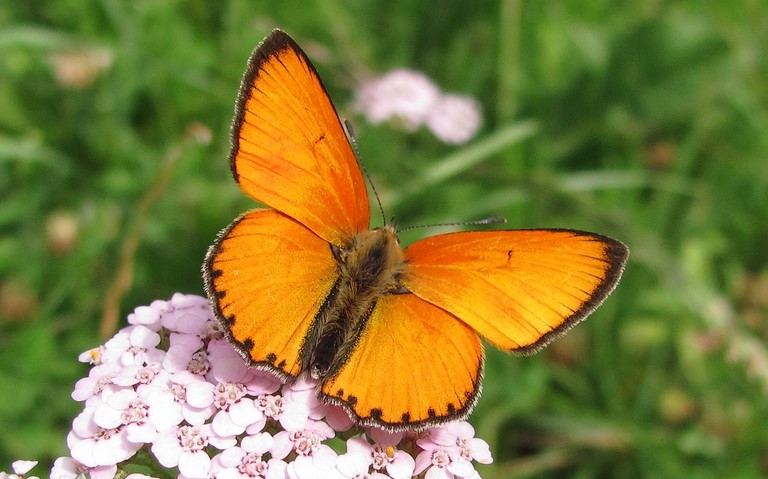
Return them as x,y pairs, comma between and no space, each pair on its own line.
454,119
408,99
93,445
404,97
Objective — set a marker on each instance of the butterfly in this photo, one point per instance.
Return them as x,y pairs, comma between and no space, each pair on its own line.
391,334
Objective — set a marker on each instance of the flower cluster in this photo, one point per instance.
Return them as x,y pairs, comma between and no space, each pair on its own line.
169,387
409,99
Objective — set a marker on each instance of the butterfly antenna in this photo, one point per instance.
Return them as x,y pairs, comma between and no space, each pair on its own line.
353,141
485,221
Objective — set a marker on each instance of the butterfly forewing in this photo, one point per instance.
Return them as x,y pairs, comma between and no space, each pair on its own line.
289,150
518,288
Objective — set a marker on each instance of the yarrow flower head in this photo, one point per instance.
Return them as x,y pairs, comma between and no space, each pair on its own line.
170,386
408,99
20,468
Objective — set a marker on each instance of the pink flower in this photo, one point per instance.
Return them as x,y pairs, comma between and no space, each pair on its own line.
93,445
461,434
181,351
408,99
236,411
68,468
187,314
133,345
361,457
19,469
293,408
404,97
247,461
313,458
148,316
144,413
184,396
454,119
134,374
100,381
185,447
398,464
92,356
449,450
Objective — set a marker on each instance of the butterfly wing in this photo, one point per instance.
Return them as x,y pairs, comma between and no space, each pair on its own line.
414,365
519,289
268,275
289,150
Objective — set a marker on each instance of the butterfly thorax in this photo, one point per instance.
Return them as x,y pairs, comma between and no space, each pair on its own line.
369,267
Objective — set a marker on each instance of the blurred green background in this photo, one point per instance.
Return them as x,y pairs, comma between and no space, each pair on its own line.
645,121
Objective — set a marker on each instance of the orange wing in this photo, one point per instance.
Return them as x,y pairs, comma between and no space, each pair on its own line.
289,150
268,275
519,289
414,365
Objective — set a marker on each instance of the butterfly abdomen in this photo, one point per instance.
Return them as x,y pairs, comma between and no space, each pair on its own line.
369,267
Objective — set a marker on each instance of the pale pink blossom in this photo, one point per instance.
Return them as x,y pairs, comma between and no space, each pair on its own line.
93,445
403,97
236,411
133,345
185,447
408,99
148,316
199,363
454,119
358,461
20,468
383,454
187,314
68,468
293,408
134,374
100,381
185,396
313,458
92,356
181,351
460,434
448,451
247,460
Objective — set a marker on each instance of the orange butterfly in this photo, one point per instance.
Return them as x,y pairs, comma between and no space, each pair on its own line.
390,334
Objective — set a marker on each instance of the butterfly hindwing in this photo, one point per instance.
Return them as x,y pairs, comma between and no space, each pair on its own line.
520,288
289,150
414,365
267,276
